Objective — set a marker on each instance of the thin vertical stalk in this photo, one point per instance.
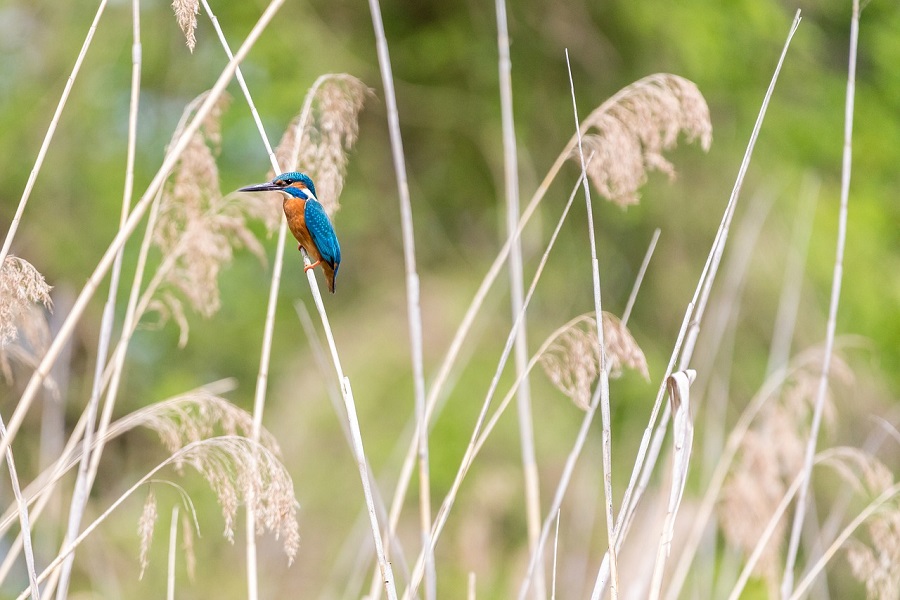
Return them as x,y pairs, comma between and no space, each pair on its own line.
436,392
413,309
581,438
523,397
259,398
85,478
642,271
555,554
173,538
480,430
648,455
48,137
787,583
23,519
604,374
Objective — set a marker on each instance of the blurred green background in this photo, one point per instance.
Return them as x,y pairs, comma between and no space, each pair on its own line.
444,58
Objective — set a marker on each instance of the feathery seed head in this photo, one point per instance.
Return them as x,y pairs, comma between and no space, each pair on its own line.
198,228
572,357
320,136
186,12
628,133
21,286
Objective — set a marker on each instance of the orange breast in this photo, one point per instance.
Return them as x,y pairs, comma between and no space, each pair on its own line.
294,210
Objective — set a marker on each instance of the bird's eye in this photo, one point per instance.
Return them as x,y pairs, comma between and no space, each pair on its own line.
287,182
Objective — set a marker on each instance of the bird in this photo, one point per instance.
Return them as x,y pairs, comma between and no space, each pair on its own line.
307,220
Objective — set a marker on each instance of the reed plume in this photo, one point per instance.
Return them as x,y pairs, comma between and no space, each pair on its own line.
318,139
199,228
572,361
628,134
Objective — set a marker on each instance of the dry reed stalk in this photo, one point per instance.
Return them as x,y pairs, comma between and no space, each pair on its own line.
48,137
413,308
523,396
604,369
85,477
716,356
173,538
573,456
22,508
628,355
555,554
124,233
436,391
475,441
648,454
787,583
581,438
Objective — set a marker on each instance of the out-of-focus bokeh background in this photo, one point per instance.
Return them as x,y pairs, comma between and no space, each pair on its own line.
444,57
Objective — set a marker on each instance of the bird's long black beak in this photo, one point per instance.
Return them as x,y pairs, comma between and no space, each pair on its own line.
260,187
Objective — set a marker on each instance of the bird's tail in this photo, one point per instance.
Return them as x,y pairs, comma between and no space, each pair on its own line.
330,274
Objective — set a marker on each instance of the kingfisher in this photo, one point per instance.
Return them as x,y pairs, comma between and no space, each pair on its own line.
307,221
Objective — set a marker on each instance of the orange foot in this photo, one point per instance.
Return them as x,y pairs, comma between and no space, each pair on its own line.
312,266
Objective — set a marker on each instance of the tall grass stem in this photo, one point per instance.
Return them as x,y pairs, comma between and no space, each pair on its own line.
787,583
413,308
523,396
604,373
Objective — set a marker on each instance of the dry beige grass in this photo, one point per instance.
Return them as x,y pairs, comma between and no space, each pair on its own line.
770,457
572,361
329,130
199,228
186,12
628,135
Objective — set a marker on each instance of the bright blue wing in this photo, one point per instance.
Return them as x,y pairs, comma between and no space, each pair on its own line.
322,233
